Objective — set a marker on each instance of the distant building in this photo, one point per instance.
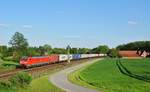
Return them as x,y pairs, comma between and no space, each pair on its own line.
136,54
144,54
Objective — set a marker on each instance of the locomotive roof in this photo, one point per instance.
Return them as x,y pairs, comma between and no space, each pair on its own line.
39,56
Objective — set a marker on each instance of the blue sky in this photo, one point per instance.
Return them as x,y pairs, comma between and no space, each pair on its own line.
80,23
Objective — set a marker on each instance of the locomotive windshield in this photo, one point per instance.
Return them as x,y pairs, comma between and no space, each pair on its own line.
24,58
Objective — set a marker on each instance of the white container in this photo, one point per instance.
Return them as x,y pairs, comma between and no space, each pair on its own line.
92,55
102,55
64,57
70,56
84,55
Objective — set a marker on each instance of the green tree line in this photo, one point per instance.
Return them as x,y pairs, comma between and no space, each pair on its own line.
19,46
138,46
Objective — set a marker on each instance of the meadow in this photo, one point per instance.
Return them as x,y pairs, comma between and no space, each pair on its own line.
115,75
40,84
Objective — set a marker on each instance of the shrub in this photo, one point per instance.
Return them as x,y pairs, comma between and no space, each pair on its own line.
113,53
6,84
21,79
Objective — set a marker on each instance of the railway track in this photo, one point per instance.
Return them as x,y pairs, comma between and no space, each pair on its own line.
8,74
40,69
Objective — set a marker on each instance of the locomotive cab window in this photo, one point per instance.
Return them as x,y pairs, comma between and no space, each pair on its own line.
24,58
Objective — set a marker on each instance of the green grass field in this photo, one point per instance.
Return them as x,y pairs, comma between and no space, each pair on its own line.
112,75
41,84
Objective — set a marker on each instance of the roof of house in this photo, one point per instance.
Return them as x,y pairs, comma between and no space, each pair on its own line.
129,54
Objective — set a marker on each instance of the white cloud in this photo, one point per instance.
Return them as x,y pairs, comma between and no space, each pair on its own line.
27,26
16,27
131,22
4,25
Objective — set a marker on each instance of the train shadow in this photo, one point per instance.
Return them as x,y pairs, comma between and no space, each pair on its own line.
127,72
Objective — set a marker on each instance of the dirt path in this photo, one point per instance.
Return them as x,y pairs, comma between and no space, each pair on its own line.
60,79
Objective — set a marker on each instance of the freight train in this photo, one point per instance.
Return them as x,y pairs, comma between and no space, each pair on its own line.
28,62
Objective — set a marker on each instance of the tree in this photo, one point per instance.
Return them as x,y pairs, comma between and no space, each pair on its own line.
33,51
19,45
101,49
3,51
41,50
45,49
83,50
113,53
138,45
74,51
10,51
59,51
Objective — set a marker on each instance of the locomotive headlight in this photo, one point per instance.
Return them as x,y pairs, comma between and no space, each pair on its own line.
23,62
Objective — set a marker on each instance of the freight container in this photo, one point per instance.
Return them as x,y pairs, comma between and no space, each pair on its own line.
102,55
64,57
71,56
76,56
97,55
84,55
94,55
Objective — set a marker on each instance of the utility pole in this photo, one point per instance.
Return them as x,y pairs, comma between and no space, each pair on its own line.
77,51
68,53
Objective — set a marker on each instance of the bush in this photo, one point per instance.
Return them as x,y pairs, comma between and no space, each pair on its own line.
113,53
21,79
10,58
6,84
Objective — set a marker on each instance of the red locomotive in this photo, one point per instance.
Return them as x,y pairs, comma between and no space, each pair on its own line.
40,60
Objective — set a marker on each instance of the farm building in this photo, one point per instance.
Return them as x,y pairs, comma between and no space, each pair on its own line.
133,53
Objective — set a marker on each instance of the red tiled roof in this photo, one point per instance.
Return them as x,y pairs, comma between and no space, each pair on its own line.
129,54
